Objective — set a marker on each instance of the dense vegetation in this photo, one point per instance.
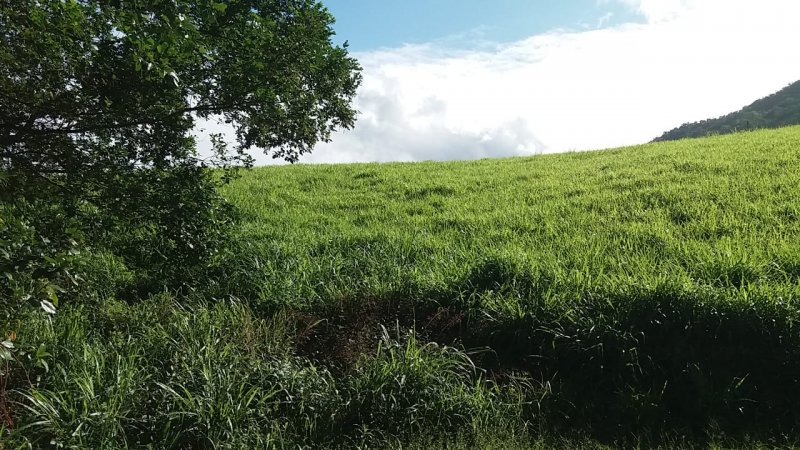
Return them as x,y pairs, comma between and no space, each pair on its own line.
645,295
777,110
633,296
98,106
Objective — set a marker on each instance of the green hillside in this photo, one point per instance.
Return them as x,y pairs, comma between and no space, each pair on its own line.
777,110
663,274
635,297
715,217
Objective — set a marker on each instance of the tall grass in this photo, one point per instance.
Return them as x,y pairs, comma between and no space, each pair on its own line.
216,376
716,214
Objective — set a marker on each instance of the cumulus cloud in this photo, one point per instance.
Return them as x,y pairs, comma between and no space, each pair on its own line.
401,124
571,90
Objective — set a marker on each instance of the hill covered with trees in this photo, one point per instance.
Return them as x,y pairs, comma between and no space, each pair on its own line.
777,110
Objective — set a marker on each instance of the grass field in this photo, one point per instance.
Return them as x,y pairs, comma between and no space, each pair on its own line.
665,274
717,217
637,297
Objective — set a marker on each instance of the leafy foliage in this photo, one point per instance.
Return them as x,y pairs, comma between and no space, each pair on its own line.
99,100
105,196
777,110
33,268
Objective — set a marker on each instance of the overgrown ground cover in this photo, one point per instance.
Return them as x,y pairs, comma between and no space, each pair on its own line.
642,296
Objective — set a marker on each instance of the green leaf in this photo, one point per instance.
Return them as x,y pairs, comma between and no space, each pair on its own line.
40,357
41,351
51,290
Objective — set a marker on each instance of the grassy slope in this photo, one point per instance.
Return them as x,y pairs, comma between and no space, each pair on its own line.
719,216
652,286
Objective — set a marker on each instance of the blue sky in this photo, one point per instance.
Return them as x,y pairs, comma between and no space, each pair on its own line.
372,24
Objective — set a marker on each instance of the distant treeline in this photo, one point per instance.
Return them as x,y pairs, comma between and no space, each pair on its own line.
779,109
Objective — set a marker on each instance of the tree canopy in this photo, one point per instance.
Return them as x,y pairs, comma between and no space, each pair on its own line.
132,74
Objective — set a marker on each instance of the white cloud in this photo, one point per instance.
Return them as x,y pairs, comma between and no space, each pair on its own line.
572,90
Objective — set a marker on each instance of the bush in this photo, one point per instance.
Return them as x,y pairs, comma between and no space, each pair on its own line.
36,266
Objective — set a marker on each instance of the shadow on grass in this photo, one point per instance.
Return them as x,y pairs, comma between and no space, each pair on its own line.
655,363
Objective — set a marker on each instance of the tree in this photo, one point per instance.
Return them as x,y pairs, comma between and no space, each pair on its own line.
99,99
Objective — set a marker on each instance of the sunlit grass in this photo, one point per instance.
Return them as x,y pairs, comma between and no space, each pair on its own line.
719,214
